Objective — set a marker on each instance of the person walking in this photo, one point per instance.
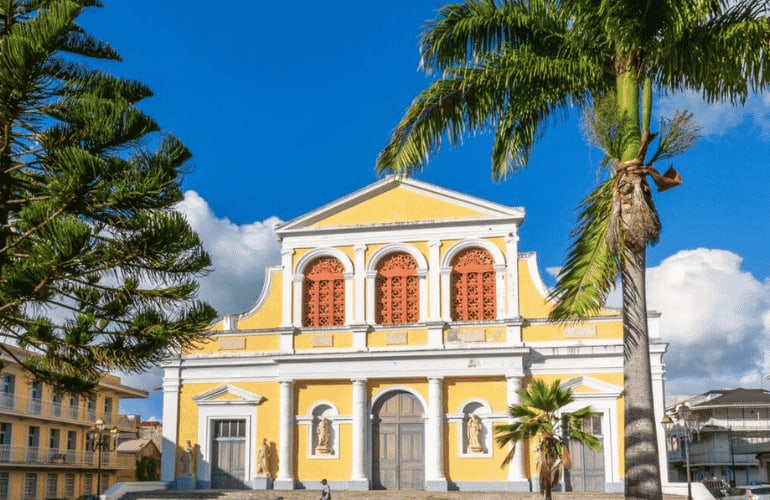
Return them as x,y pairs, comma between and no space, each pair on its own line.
326,492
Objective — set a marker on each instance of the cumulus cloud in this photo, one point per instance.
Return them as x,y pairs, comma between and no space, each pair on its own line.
716,318
716,119
239,254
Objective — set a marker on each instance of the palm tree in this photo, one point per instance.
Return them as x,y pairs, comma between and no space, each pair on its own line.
508,66
539,418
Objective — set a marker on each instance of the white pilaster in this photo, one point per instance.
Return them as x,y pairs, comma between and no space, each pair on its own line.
512,275
422,283
434,454
359,285
296,282
434,280
370,304
171,377
285,479
516,474
348,277
358,478
446,308
287,274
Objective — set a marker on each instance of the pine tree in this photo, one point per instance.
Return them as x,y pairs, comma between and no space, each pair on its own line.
97,269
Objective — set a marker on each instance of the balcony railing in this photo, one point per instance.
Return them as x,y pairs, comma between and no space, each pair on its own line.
23,405
39,456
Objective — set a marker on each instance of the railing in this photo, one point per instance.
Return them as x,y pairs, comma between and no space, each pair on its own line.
736,424
38,456
22,405
35,405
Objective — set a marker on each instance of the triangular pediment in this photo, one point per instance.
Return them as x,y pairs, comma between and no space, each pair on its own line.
227,394
395,200
589,386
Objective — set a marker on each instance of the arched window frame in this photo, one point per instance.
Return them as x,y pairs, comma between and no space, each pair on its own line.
323,308
421,271
499,269
472,286
298,281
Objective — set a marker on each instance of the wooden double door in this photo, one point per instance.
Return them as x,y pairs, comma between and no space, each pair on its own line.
398,448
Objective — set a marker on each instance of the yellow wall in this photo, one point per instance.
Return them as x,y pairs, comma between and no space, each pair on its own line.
397,205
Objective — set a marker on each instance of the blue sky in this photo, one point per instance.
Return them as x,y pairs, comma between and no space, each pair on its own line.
285,106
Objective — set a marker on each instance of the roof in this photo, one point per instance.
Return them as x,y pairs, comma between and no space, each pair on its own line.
134,445
739,397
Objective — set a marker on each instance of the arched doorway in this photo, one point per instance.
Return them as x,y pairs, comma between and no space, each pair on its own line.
398,435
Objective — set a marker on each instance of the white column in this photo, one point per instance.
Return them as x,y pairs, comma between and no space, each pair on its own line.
516,466
434,454
359,285
434,280
287,274
285,479
170,422
358,478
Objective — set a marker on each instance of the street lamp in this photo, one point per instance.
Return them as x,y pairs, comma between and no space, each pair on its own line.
96,437
679,418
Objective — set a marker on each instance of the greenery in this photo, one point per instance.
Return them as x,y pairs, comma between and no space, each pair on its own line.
541,420
147,469
97,269
509,66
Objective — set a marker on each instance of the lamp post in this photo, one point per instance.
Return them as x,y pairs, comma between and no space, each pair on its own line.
679,418
96,436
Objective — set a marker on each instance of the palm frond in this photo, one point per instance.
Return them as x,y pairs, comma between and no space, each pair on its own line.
463,33
676,136
591,268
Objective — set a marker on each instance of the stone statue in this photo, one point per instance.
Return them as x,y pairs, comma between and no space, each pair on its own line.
263,459
474,434
186,460
323,437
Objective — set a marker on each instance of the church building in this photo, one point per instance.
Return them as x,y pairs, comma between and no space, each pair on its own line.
383,351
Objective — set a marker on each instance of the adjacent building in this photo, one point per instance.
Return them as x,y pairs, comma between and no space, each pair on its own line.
45,450
383,351
729,433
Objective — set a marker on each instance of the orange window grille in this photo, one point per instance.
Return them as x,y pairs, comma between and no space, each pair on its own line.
473,286
324,293
397,291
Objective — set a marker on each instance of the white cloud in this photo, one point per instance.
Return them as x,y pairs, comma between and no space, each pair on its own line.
239,255
716,119
716,318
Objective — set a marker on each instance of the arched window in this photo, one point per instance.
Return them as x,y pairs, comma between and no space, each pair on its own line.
324,293
473,286
396,290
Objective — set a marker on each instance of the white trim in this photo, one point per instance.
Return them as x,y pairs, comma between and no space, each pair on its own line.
331,413
321,252
266,286
377,255
484,412
398,388
210,411
603,401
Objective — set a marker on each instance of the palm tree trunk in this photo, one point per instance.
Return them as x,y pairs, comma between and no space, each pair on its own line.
640,444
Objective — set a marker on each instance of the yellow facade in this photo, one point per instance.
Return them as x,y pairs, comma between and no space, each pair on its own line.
363,401
44,448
